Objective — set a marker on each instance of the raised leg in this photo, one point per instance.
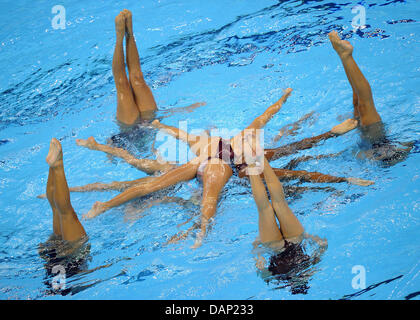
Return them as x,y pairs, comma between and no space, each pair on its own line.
289,225
269,231
148,166
142,94
59,196
365,105
127,111
183,173
50,196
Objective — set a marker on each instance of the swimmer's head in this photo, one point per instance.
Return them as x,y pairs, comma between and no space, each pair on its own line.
288,266
391,155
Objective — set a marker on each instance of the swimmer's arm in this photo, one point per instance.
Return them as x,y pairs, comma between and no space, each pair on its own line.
260,262
322,243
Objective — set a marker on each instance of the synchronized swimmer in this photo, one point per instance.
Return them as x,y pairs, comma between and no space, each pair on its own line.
217,159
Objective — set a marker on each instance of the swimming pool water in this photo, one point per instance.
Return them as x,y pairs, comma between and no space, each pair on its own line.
237,58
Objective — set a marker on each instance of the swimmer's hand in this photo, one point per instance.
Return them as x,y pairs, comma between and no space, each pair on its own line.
156,124
360,182
97,209
260,263
345,126
42,196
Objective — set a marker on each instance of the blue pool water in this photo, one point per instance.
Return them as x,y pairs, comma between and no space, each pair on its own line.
237,58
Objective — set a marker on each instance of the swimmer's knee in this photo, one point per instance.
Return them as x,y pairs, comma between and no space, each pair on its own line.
127,117
127,121
137,79
122,83
50,192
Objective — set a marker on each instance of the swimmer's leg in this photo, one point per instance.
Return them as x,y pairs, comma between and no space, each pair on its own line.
262,120
183,173
365,104
127,111
148,166
177,133
342,128
135,212
182,235
293,127
187,109
269,231
100,186
71,228
142,94
289,225
215,176
237,141
50,196
317,177
295,162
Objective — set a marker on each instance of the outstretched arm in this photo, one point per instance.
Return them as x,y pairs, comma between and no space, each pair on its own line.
148,166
